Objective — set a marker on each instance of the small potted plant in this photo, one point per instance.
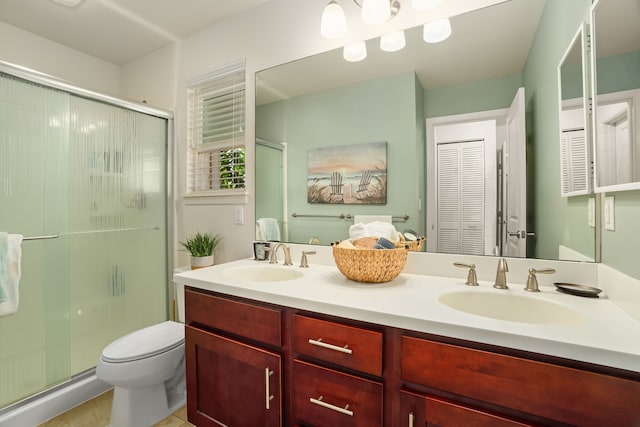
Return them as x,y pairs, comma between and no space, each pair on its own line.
201,247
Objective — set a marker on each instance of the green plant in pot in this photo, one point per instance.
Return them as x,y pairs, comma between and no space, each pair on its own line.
201,247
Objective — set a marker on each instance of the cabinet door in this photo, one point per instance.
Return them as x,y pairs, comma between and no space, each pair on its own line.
326,398
230,383
417,410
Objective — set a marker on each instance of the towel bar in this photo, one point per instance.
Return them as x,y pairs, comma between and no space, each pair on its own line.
344,216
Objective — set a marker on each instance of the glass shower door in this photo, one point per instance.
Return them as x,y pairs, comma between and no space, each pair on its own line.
34,342
93,175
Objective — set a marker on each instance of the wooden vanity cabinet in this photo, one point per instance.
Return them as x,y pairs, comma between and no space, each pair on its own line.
323,394
256,364
232,381
543,393
424,410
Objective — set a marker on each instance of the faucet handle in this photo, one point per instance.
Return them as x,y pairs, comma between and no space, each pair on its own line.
532,281
472,279
303,261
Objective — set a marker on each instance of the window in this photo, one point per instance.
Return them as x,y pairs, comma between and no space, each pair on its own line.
216,117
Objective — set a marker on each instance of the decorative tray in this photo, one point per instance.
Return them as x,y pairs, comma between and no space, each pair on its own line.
579,290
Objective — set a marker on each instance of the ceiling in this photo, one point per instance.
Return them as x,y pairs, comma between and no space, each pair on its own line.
119,31
485,43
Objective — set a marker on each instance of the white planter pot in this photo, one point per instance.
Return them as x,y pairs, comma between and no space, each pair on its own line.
201,261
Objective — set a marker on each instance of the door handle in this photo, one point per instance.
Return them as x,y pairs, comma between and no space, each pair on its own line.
521,234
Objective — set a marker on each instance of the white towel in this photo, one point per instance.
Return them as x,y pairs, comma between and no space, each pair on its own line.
267,229
373,229
10,254
370,218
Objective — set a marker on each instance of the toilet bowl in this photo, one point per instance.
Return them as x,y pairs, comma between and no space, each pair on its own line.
147,371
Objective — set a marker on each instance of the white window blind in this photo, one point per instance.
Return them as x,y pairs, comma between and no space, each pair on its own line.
216,136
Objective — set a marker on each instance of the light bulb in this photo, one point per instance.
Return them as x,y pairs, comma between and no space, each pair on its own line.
376,12
425,4
334,23
355,52
392,42
437,31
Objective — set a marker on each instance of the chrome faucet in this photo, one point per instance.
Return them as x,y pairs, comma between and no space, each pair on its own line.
273,259
501,275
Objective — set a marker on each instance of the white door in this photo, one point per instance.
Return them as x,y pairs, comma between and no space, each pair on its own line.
515,180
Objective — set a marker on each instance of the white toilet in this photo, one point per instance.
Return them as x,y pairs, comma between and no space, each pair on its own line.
147,370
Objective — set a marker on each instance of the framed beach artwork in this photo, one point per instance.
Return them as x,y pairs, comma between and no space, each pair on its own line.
348,174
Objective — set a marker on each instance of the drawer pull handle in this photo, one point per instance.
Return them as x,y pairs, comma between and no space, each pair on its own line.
324,404
320,343
269,396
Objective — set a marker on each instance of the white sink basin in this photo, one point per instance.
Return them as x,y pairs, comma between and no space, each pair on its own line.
510,307
264,273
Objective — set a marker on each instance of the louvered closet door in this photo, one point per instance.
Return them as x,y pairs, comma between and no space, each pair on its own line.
461,197
574,161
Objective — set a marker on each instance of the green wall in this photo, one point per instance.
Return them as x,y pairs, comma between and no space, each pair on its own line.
379,110
555,220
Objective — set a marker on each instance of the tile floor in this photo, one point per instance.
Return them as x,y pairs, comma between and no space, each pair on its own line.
96,413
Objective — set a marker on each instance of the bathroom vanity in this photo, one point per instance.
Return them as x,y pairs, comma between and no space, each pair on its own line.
315,349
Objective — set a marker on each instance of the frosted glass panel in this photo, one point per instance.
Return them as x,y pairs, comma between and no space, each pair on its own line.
34,350
95,175
117,217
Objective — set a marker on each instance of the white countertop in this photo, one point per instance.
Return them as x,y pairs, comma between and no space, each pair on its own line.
608,336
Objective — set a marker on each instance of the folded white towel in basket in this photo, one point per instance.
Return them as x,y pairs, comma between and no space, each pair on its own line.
10,254
373,229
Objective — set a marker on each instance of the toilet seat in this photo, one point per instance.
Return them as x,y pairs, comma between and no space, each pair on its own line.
145,343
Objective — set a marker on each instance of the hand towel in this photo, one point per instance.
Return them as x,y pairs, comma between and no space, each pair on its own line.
267,229
10,254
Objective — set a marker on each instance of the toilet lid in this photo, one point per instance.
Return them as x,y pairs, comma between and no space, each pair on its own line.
146,342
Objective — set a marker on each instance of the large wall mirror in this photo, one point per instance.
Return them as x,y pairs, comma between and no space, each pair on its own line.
616,69
324,101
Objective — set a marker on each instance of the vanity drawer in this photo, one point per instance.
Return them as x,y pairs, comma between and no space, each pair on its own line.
325,397
348,346
252,321
555,392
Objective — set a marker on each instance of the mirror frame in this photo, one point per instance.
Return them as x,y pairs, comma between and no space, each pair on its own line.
594,115
580,37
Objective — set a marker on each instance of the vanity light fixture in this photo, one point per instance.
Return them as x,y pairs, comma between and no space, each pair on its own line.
437,31
355,52
334,23
392,42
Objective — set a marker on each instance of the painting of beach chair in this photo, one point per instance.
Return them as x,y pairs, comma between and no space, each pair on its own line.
363,187
336,194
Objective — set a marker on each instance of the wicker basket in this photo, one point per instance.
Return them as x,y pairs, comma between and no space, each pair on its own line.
413,245
370,265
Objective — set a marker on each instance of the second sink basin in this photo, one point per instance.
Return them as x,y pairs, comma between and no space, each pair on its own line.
510,307
264,273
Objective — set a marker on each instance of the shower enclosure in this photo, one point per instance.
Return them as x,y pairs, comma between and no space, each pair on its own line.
84,178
